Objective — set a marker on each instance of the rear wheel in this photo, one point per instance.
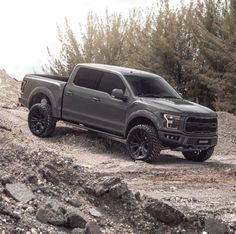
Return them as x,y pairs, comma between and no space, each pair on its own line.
143,143
199,155
40,120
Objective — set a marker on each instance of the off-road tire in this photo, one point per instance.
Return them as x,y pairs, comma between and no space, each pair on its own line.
199,155
40,120
154,145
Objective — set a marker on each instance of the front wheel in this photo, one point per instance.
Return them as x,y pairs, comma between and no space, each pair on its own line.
143,143
40,120
199,155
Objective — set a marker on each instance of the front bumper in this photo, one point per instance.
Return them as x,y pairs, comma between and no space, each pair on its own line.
186,142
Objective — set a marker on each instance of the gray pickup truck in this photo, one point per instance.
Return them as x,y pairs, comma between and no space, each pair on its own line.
138,107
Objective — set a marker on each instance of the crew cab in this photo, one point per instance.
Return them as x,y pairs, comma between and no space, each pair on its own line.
138,107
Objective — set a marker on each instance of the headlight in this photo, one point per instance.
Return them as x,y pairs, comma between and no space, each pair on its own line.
172,121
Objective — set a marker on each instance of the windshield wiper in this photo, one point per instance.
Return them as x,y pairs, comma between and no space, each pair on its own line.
170,97
149,95
156,96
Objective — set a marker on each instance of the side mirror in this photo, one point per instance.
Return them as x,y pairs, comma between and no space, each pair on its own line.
119,94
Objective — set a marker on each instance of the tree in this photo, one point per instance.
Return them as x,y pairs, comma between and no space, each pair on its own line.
193,47
215,32
70,54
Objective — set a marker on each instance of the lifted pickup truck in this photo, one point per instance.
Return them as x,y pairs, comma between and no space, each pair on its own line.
139,107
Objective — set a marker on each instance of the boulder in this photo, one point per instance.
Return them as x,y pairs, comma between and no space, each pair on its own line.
33,179
76,219
215,226
52,213
137,195
103,185
95,213
20,192
50,175
92,228
6,179
75,201
163,212
117,190
7,210
78,231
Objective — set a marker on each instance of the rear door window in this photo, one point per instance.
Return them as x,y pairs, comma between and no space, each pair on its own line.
87,78
110,81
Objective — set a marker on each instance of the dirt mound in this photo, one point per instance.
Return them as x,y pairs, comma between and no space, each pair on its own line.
9,90
77,181
44,192
227,133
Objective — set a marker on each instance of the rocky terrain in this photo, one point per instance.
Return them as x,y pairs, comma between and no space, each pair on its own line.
80,182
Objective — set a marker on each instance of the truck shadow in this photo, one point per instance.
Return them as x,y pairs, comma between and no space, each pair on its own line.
165,159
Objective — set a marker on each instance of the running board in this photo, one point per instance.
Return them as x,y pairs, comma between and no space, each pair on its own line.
111,136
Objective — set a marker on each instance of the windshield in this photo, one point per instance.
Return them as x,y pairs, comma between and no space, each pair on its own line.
151,86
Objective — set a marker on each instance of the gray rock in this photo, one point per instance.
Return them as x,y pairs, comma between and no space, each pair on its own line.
51,176
52,213
92,228
103,185
20,192
75,201
7,210
78,231
33,179
163,212
6,179
95,213
137,196
118,190
30,210
33,231
76,219
215,226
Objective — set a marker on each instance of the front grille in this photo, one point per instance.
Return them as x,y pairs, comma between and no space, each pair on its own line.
201,125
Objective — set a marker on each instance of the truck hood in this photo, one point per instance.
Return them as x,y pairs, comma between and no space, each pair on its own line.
181,106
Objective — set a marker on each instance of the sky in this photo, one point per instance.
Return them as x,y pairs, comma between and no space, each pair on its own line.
27,27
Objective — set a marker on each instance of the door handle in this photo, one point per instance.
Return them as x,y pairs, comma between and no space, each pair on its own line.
96,99
69,93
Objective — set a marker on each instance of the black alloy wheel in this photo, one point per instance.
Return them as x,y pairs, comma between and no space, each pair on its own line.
199,155
40,120
138,144
143,143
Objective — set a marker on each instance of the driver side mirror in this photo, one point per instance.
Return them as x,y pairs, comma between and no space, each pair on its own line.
119,94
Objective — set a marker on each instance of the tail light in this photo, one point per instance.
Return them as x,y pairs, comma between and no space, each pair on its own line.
23,84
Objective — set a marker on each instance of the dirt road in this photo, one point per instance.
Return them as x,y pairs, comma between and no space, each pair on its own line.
208,188
199,187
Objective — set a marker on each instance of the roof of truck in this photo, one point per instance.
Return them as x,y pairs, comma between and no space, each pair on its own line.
122,70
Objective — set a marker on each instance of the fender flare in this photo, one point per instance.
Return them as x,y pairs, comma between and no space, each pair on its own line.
144,114
48,94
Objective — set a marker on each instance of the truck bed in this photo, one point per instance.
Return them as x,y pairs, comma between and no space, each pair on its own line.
53,77
43,84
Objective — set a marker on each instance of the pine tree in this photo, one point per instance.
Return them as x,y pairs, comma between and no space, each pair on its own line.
193,47
215,32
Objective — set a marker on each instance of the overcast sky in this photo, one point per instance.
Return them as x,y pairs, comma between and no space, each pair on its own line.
27,27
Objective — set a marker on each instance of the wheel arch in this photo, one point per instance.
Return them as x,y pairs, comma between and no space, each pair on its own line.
142,117
40,93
